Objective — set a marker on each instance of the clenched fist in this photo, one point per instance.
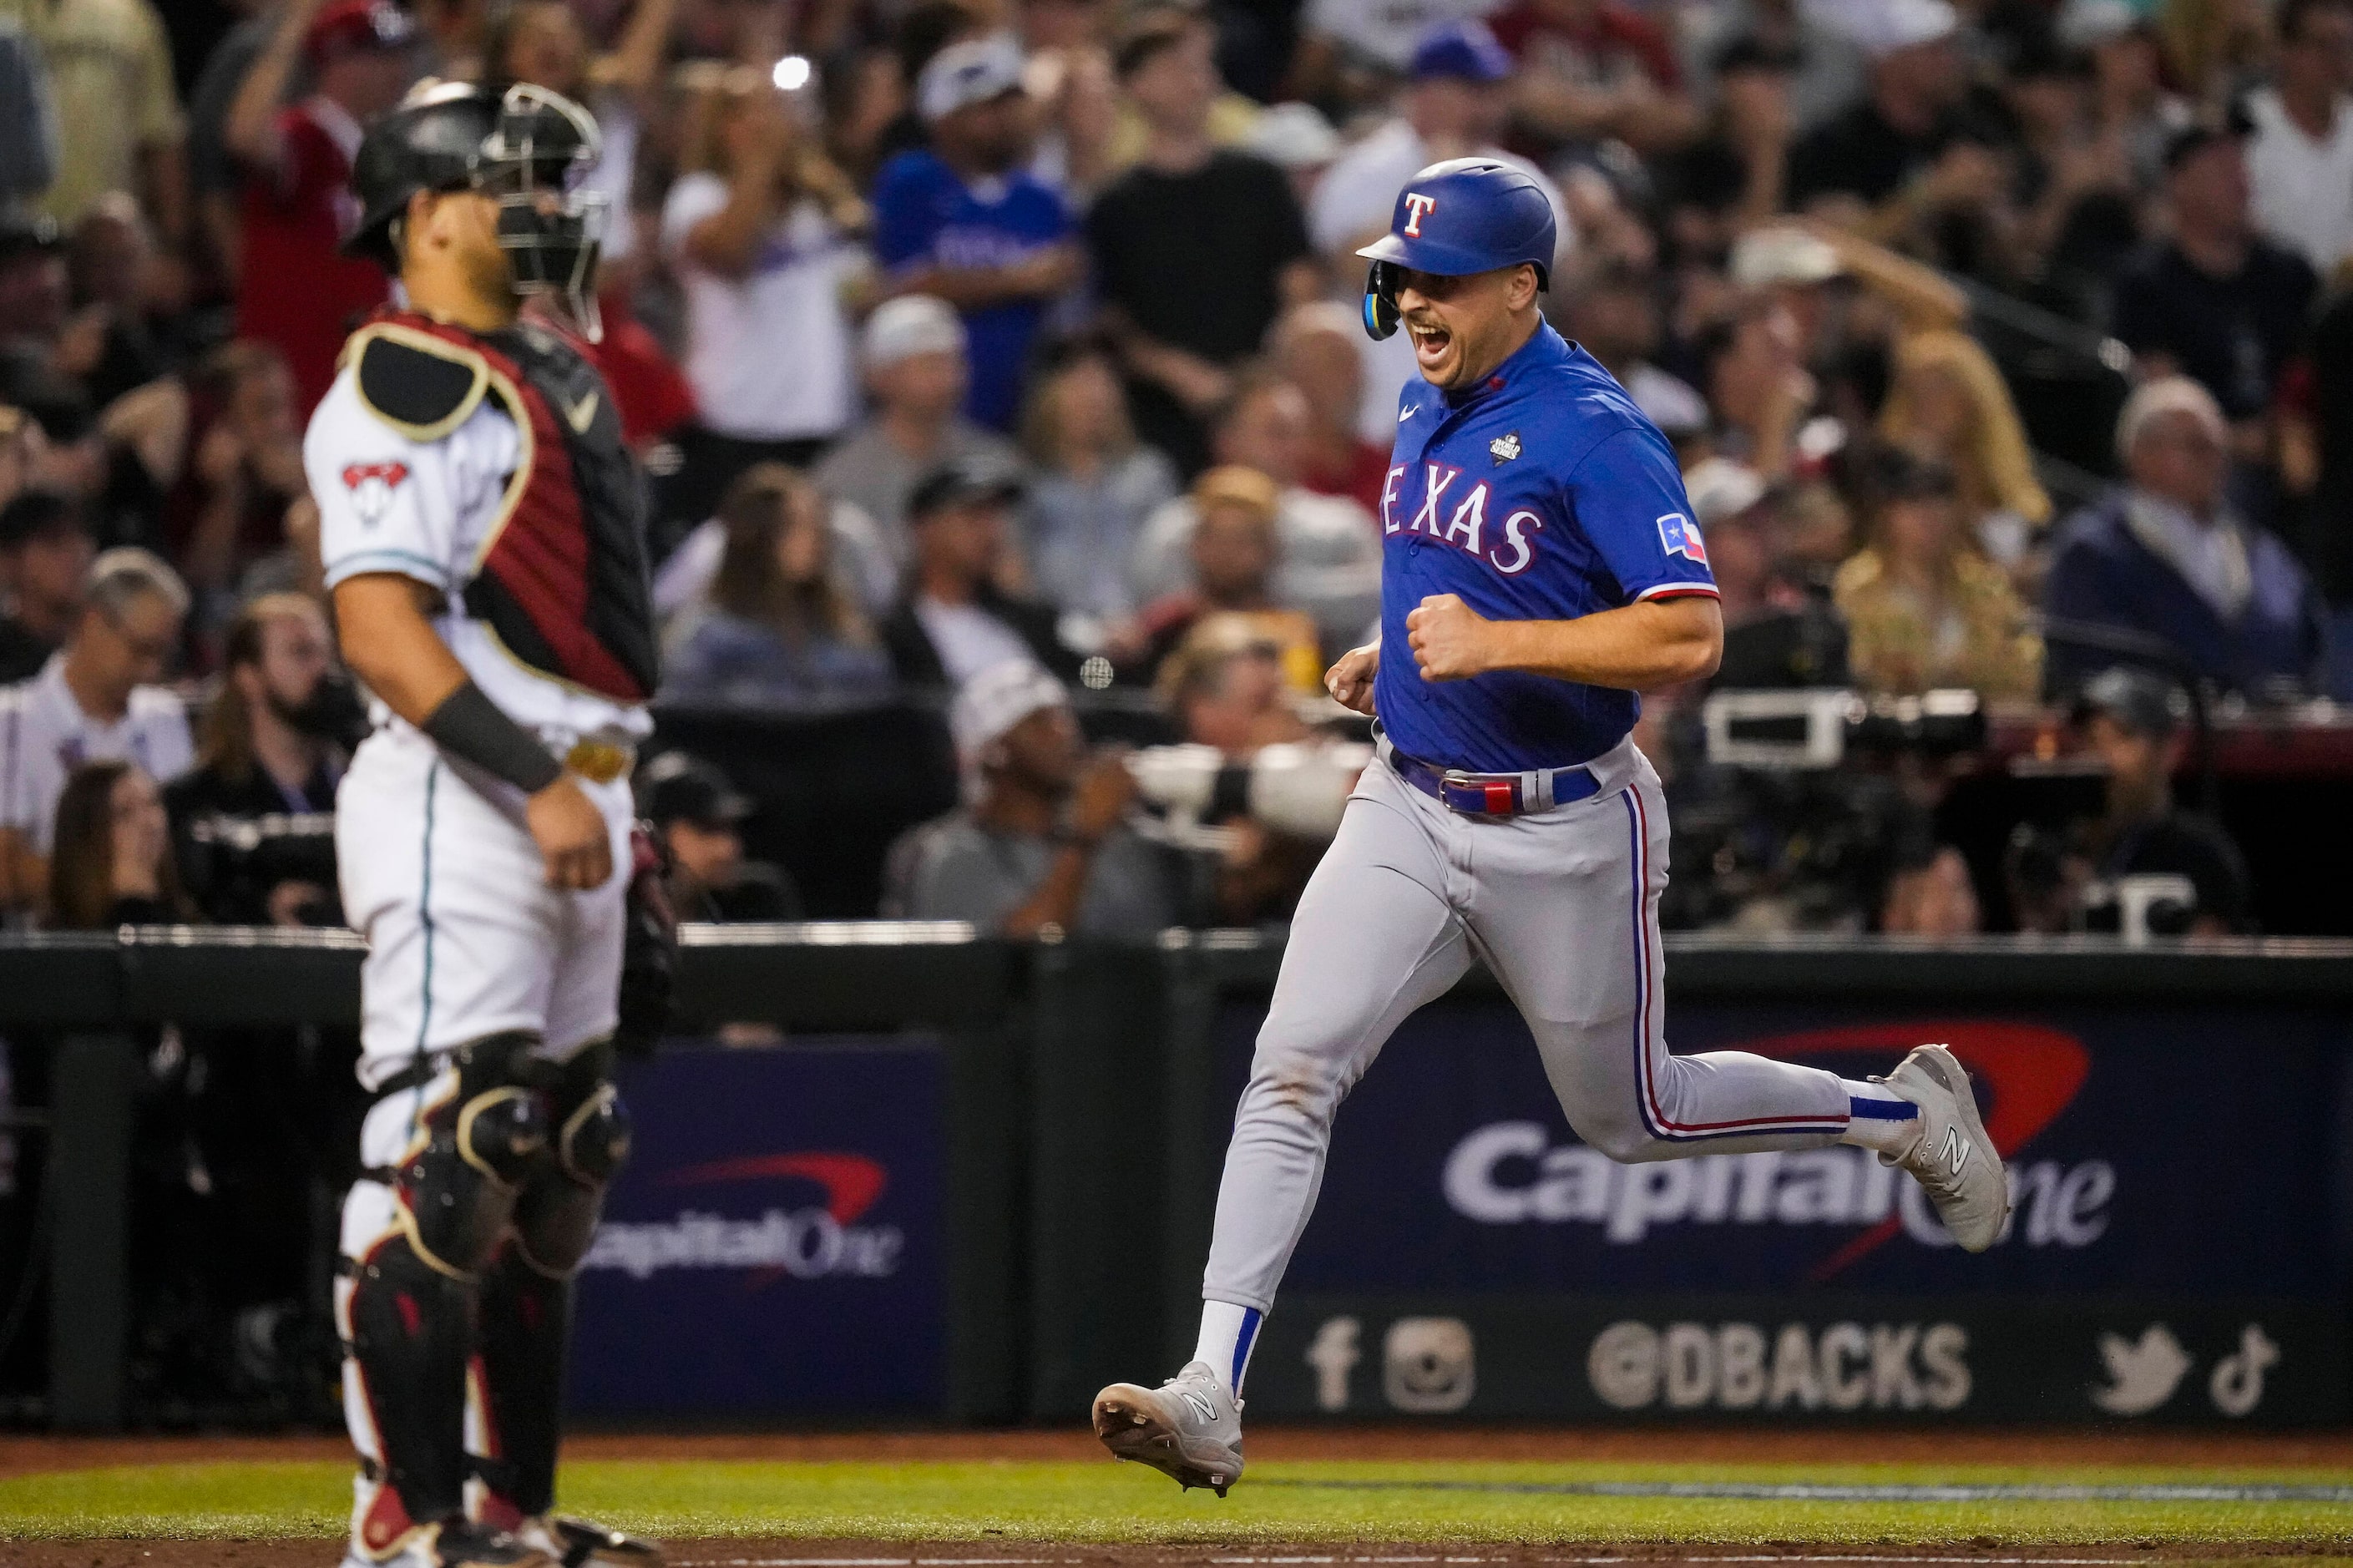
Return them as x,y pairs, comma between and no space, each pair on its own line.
1350,679
1450,640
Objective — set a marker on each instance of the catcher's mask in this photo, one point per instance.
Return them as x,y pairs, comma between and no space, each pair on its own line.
526,149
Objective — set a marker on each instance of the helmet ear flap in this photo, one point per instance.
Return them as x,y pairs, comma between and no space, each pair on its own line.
1381,316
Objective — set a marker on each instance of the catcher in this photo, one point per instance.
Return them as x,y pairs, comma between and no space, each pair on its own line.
482,530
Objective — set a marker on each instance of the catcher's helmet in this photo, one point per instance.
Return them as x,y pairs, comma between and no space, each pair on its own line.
527,148
1460,216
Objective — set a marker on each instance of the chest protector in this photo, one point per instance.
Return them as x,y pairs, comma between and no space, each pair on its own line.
560,580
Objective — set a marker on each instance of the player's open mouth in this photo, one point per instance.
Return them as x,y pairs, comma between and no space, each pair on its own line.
1429,343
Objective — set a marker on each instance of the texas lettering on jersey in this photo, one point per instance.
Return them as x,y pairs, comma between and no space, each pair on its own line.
1509,547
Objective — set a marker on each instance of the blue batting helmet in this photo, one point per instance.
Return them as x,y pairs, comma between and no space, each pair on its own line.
1465,215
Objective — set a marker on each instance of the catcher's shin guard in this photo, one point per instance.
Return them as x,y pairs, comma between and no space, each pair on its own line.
526,1294
444,1163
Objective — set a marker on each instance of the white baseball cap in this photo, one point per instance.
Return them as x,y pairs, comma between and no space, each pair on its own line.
1720,487
1294,136
1880,27
909,325
2084,23
995,701
1783,253
973,71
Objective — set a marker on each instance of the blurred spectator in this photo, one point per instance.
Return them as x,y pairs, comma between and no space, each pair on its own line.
28,121
1923,607
296,288
109,264
1196,248
2300,150
2131,101
2166,560
1946,401
109,78
1613,315
1351,51
956,620
780,632
964,221
113,852
762,229
1736,173
1316,346
1752,368
1899,144
2131,722
1236,553
913,355
95,700
1092,485
1330,547
2328,540
2213,300
1229,684
1776,634
700,815
1933,899
230,511
45,552
1296,139
2075,189
32,284
1455,105
1591,70
1826,68
1043,845
253,819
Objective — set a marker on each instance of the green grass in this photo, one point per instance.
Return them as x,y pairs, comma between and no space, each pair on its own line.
1102,1502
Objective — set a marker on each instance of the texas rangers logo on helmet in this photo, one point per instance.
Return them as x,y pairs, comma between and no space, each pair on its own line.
1679,535
1416,208
371,485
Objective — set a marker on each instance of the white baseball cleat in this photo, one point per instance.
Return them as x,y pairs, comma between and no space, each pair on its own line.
1190,1428
1952,1158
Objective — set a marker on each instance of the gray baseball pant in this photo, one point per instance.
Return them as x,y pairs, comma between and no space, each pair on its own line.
1563,907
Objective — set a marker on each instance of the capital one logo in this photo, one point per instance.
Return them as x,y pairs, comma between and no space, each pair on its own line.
1416,208
803,1241
1510,1172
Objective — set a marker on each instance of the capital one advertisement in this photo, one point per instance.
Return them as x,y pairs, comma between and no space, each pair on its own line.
775,1243
2175,1248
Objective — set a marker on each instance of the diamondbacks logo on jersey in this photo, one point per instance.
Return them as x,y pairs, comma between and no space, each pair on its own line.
371,485
1679,536
1418,207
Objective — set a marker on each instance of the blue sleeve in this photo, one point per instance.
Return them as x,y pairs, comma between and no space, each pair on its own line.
906,216
1628,495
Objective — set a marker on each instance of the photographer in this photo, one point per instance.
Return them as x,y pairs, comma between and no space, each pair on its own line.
254,821
1044,842
2130,720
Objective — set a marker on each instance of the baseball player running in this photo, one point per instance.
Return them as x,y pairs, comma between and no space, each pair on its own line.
1540,568
480,526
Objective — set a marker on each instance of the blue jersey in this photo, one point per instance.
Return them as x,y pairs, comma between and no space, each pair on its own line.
1543,494
925,215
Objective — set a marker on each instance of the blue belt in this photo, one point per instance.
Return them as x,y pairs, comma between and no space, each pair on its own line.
1495,794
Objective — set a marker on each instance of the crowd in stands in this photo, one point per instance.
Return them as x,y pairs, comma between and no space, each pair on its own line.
984,352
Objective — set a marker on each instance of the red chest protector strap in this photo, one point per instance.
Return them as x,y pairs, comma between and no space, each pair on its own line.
560,578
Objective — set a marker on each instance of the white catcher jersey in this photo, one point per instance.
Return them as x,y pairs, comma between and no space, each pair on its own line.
427,502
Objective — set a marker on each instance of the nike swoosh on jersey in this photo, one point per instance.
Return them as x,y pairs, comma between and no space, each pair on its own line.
581,413
1406,413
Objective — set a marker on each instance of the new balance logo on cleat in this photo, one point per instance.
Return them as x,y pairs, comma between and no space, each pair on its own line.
1956,1148
1203,1406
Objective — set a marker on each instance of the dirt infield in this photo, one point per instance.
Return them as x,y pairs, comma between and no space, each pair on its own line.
30,1455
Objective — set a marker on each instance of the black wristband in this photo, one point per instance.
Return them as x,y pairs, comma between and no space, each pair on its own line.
469,726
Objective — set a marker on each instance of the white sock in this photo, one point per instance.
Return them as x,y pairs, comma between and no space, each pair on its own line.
1878,1118
1229,1333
